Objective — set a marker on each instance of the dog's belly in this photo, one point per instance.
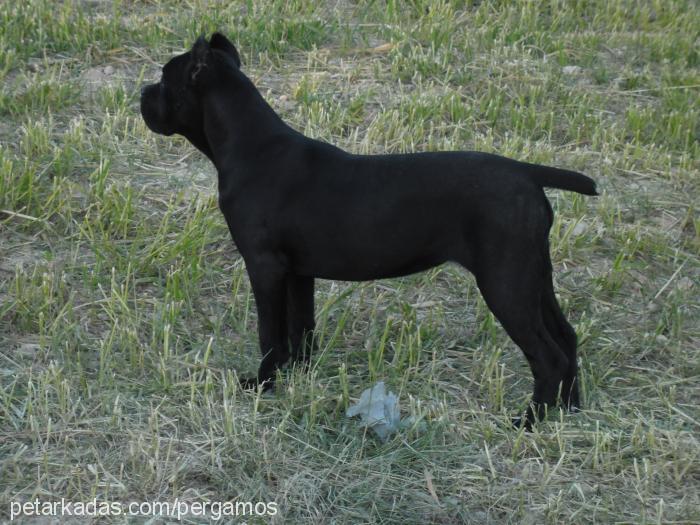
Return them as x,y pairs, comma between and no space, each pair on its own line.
358,269
360,253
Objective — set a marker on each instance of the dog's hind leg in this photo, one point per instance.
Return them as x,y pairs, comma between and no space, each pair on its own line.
512,289
563,333
300,317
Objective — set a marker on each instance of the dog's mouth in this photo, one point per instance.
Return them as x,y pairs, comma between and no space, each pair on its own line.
151,110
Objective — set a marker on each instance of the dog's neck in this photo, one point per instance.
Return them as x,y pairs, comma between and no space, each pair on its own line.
238,122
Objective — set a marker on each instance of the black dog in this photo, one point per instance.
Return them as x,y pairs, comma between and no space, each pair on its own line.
300,209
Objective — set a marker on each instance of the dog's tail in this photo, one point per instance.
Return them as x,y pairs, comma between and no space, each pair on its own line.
563,179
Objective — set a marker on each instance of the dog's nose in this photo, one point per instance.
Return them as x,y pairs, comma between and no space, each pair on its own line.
143,90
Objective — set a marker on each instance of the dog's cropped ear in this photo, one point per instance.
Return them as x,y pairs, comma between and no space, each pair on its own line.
220,42
201,56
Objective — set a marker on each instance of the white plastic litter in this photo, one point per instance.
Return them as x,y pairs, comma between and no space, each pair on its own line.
377,410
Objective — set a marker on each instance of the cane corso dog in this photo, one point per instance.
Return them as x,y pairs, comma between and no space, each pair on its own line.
299,209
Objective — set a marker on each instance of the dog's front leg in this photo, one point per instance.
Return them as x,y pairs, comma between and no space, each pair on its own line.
300,317
269,288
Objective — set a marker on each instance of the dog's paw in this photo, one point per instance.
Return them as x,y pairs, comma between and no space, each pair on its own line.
302,365
522,422
252,383
248,383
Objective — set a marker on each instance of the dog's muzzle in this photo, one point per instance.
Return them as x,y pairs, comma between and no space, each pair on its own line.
151,110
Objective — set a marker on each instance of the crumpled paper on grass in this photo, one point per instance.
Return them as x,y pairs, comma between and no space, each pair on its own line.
377,410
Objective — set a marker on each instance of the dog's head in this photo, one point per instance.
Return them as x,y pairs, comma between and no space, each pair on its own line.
173,105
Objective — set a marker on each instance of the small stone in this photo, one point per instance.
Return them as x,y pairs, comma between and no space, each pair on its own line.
685,283
28,349
571,70
653,307
579,229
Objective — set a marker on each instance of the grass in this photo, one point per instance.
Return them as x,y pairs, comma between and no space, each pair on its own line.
126,312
